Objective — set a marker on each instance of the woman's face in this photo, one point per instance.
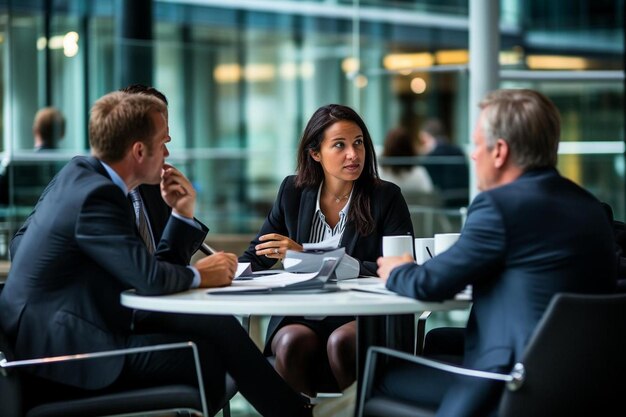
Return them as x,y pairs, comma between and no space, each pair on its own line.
342,151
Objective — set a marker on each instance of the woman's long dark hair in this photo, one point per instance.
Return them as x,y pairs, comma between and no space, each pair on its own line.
310,172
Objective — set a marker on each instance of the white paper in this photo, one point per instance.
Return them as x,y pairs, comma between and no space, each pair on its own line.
243,268
269,281
328,244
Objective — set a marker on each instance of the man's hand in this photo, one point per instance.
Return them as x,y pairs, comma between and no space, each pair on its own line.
217,270
388,263
177,191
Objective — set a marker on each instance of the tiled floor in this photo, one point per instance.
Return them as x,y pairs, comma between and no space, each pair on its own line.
239,407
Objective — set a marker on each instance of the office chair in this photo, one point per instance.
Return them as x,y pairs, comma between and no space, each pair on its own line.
19,391
574,365
19,399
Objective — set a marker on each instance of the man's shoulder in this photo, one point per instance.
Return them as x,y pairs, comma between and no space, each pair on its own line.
82,175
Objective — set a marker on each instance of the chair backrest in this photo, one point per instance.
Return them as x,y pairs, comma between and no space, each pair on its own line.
575,362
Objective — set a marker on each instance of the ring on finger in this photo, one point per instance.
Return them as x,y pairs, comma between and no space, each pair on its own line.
276,251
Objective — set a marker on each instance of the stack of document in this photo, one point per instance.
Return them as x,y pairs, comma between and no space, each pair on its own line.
311,260
281,281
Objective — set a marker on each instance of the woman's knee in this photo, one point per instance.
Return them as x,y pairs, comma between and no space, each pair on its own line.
342,341
295,341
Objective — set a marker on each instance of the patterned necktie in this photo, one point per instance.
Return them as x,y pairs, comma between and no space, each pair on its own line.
141,220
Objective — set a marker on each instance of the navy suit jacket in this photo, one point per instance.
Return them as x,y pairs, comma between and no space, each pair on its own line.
292,216
82,249
522,243
158,212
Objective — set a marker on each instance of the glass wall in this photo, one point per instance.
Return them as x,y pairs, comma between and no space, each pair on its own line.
242,78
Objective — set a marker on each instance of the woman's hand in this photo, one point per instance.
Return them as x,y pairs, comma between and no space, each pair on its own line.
275,246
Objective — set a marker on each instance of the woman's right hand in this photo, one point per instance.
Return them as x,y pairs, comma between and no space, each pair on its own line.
275,246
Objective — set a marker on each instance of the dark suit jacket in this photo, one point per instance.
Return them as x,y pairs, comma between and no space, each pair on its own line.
292,215
79,252
158,213
522,243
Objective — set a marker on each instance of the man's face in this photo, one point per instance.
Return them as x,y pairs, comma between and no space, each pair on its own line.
486,172
156,149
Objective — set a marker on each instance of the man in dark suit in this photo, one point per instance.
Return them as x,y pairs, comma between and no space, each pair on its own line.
529,235
157,211
63,297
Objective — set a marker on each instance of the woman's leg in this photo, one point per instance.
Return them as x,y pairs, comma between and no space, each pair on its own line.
296,348
341,350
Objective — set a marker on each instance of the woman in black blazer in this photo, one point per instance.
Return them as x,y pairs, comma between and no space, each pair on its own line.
336,191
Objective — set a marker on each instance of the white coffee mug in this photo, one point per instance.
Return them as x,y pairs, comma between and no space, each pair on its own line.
443,241
424,249
397,245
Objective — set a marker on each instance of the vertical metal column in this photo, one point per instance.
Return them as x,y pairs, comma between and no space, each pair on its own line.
47,64
133,35
484,68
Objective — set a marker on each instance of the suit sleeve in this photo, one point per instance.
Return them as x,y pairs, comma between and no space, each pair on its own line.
105,231
478,254
274,223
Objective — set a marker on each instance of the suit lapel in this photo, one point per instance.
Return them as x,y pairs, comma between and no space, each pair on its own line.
349,238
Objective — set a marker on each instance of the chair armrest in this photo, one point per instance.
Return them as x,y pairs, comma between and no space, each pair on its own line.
5,364
514,379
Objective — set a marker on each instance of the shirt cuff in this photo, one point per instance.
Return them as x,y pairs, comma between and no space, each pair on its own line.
196,277
190,222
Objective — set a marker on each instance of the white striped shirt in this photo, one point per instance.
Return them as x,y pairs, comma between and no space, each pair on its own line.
320,230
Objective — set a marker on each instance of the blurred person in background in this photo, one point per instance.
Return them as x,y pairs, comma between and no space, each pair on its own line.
446,163
409,176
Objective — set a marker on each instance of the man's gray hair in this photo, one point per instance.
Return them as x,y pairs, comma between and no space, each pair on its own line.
529,123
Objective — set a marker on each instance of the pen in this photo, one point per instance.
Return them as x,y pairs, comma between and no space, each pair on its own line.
206,249
428,250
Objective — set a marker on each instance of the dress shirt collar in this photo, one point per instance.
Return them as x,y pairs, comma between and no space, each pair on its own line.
117,180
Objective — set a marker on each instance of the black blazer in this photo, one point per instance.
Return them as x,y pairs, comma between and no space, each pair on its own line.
80,250
292,216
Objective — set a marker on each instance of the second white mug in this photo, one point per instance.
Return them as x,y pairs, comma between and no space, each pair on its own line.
443,241
424,249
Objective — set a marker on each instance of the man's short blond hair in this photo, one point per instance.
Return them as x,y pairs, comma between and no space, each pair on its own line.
120,119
